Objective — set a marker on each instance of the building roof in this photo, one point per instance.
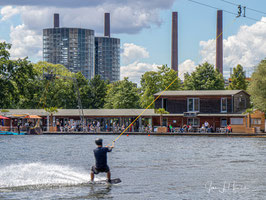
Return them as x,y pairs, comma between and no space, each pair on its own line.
199,93
208,115
106,113
87,112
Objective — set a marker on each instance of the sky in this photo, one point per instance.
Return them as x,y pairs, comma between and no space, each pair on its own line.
144,28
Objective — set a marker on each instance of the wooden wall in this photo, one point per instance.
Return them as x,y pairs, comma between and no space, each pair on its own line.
257,115
241,102
208,104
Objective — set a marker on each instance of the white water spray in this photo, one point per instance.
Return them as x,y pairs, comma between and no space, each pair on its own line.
34,174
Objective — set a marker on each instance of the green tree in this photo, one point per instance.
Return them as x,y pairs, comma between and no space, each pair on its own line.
98,91
205,77
57,86
4,112
238,79
161,111
149,86
153,82
257,86
122,94
16,78
82,90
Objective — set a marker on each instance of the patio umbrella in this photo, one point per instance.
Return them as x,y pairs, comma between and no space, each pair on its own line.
2,117
32,117
18,116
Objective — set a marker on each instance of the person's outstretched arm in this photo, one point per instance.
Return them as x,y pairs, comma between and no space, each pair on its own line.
112,146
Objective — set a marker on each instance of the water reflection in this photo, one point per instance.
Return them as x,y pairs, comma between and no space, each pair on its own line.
97,192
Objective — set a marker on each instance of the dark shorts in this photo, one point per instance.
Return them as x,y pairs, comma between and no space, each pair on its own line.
100,170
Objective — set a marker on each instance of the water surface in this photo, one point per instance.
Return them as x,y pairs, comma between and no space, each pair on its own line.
155,167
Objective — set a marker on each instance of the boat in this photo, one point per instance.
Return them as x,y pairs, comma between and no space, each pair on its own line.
10,133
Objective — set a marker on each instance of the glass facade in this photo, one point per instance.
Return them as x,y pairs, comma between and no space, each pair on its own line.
71,47
107,58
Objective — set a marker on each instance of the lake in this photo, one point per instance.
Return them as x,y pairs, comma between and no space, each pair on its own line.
155,167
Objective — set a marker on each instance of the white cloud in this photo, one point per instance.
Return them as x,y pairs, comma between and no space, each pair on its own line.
25,43
132,52
133,65
91,3
247,47
128,17
186,66
136,69
8,11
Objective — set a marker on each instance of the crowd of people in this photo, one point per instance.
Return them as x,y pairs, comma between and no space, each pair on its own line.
96,127
205,128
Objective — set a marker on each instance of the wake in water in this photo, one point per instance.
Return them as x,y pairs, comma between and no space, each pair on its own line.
41,175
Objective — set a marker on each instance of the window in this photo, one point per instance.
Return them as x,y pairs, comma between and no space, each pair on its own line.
235,121
223,104
164,103
223,123
193,104
165,122
193,122
256,121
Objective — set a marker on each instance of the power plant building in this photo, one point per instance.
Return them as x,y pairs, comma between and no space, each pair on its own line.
174,48
219,41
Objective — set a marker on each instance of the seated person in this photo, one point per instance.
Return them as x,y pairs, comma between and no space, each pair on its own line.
190,128
210,129
185,127
228,129
202,129
206,124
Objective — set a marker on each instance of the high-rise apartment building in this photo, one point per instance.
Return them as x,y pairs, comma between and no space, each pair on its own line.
107,58
107,54
80,51
72,47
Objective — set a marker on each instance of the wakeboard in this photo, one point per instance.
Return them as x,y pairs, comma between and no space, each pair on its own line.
113,181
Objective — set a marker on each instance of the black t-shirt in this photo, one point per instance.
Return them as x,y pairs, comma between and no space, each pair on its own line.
100,154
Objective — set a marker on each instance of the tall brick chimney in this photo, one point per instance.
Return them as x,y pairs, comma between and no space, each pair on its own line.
107,24
56,20
219,41
174,50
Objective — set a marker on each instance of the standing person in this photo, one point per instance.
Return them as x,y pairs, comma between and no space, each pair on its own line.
98,126
206,124
18,125
57,125
106,127
150,128
100,154
170,128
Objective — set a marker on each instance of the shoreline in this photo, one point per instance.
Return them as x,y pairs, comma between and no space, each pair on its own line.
162,134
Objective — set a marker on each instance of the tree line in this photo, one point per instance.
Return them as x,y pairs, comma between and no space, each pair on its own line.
25,85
